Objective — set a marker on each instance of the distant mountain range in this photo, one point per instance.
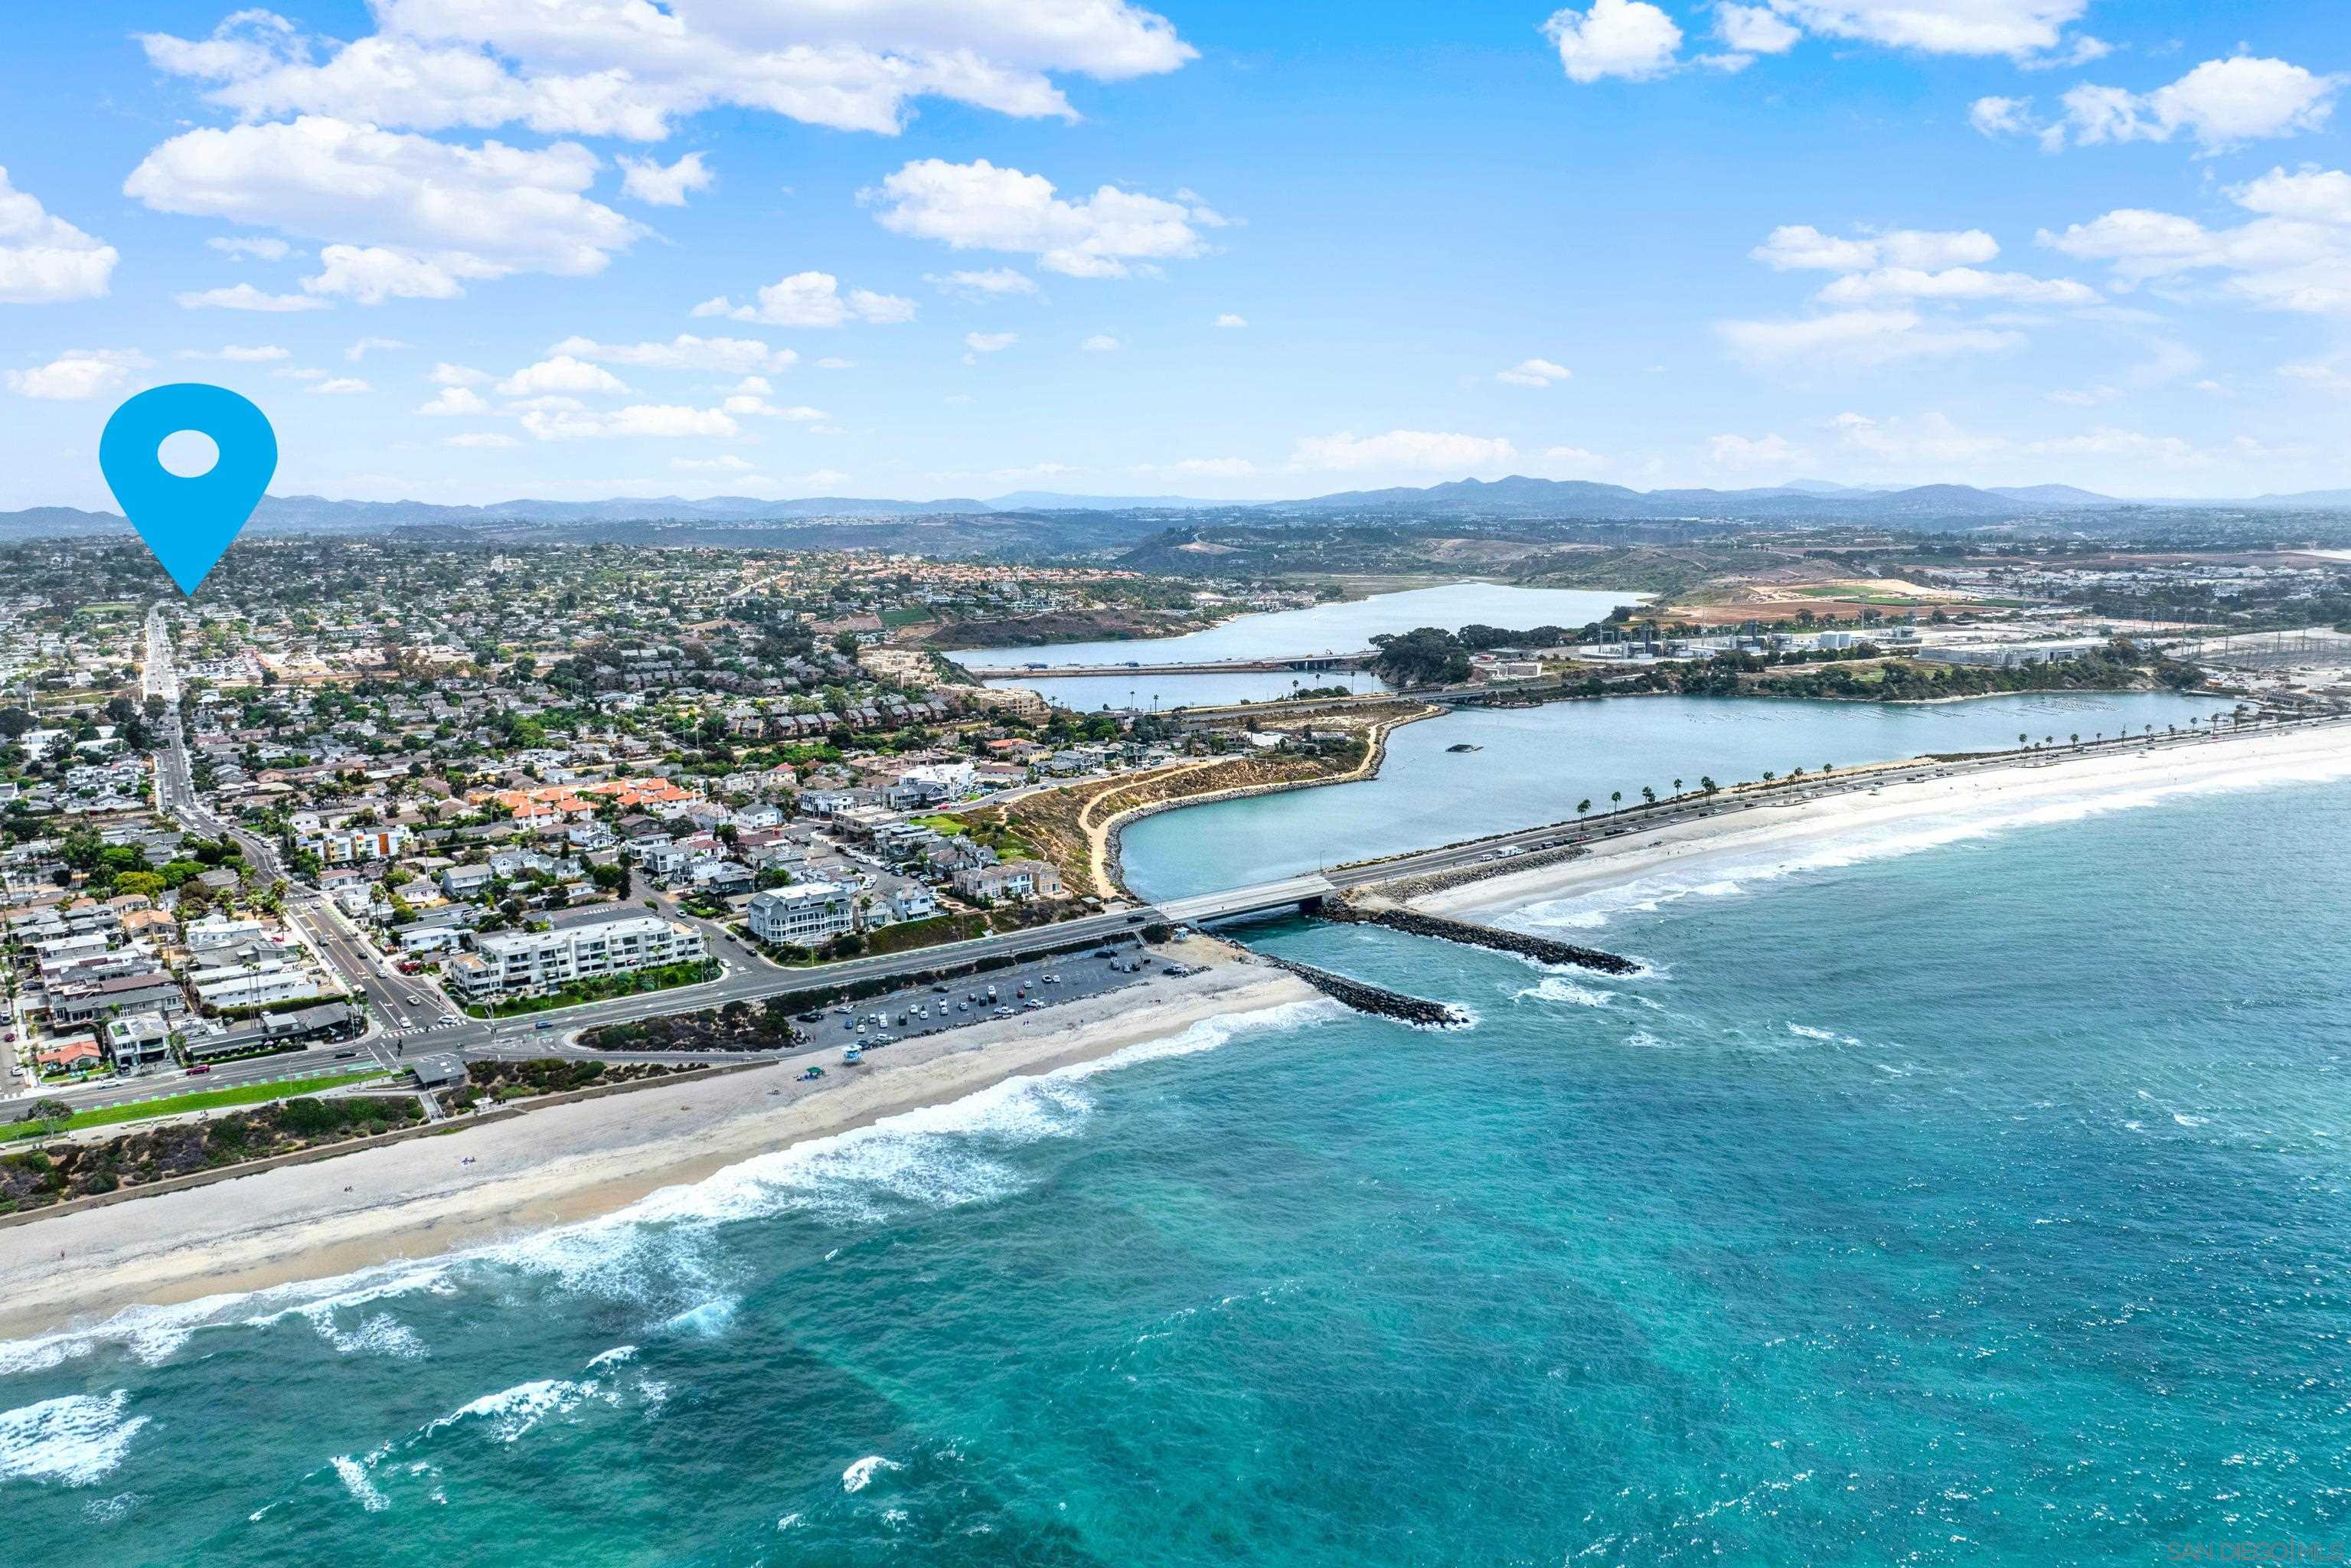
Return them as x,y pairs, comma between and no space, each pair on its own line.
1517,497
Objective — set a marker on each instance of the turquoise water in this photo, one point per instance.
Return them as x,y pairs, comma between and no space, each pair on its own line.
1985,1204
1537,763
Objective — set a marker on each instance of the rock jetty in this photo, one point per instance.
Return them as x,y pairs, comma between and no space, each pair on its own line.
1378,1000
1542,950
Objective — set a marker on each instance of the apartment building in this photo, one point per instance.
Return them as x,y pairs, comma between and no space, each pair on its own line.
532,963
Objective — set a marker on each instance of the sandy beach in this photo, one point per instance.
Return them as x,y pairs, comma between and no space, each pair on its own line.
562,1164
1776,833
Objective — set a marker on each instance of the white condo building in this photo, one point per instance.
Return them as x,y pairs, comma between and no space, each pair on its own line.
802,914
529,963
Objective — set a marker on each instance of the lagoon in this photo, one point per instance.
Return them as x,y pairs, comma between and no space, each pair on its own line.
1342,628
1537,763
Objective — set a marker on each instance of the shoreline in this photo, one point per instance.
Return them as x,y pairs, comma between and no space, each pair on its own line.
561,1164
1777,830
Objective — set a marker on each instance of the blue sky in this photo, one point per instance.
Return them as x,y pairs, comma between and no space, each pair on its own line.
941,248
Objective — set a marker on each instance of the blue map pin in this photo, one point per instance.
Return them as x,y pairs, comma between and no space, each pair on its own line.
189,523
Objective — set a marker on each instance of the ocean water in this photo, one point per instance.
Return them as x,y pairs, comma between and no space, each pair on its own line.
1982,1199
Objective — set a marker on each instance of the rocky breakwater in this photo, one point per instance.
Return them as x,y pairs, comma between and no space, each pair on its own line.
1378,1000
1542,950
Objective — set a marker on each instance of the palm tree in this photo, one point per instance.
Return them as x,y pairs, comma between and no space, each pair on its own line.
1648,795
1677,787
2023,739
1615,800
2075,738
1706,784
1582,808
1769,776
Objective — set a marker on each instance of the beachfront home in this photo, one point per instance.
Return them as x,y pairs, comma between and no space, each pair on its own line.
802,914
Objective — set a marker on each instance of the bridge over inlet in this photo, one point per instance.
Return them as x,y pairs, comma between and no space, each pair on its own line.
1265,898
1302,663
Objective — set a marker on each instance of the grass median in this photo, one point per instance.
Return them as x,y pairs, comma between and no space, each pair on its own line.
202,1100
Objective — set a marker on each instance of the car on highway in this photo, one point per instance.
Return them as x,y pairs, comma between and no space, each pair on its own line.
416,1001
200,1069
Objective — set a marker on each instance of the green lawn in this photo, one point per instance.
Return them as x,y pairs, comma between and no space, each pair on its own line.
904,615
202,1100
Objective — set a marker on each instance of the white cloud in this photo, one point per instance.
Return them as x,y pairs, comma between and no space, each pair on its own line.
989,342
374,274
812,300
832,362
1931,438
365,346
245,297
2106,440
630,70
45,260
2294,254
1427,450
560,373
453,401
2017,27
1857,338
1898,285
78,374
1557,460
238,354
260,246
445,374
1101,343
1801,246
1200,468
729,356
995,283
481,438
759,407
1629,38
1746,455
409,216
657,184
656,420
1754,29
1228,321
2221,104
978,206
1535,373
342,386
2002,116
2325,377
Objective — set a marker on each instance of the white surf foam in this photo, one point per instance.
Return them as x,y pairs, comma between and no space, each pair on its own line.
353,1474
1558,988
75,1440
658,1248
856,1476
1730,872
